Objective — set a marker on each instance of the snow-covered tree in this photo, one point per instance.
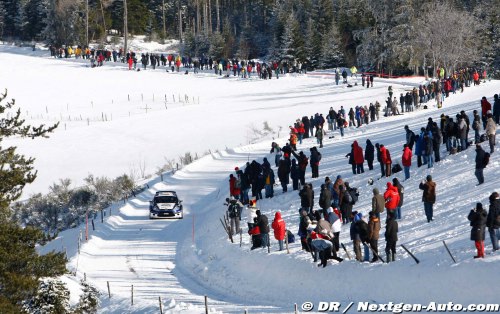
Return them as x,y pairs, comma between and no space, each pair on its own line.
331,54
89,299
51,297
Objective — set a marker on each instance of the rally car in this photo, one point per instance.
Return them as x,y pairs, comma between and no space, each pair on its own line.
165,204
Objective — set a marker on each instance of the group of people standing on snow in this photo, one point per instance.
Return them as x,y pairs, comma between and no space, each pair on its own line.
319,228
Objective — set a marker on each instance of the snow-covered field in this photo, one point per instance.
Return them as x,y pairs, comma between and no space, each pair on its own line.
167,259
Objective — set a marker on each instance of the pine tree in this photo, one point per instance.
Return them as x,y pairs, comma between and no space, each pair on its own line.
3,12
89,299
331,55
52,297
20,265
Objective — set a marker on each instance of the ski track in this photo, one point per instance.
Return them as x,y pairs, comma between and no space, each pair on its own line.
159,257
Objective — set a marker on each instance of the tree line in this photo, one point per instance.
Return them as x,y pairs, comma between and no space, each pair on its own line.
394,36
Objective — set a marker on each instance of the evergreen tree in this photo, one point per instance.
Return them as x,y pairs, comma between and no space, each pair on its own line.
89,299
52,297
20,265
331,55
2,18
36,15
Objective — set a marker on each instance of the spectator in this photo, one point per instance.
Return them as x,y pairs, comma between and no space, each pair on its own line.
428,196
477,218
279,228
391,237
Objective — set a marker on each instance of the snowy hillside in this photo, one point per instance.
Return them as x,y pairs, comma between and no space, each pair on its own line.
182,261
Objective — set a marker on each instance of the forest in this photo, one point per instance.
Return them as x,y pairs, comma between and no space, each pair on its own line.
389,36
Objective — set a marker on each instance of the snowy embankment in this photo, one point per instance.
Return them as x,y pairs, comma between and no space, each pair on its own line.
165,258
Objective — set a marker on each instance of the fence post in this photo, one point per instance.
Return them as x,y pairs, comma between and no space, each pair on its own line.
206,305
161,307
295,309
85,277
109,290
102,217
93,225
132,295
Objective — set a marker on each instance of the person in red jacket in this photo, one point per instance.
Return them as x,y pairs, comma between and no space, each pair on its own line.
234,187
279,229
485,107
358,157
391,197
385,157
406,160
475,77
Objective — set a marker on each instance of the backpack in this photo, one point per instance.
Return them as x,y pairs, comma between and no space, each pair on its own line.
234,211
290,236
319,156
486,159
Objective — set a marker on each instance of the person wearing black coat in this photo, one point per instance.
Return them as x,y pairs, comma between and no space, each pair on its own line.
263,224
369,154
391,237
284,174
496,109
325,199
480,154
351,159
477,218
314,162
410,137
307,124
436,141
294,174
493,220
306,198
402,102
303,161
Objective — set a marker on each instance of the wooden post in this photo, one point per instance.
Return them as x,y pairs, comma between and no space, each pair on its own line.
102,217
161,307
128,97
132,295
206,305
295,308
84,276
109,290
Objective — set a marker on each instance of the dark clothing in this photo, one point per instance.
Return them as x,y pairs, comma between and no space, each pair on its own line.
480,154
391,230
493,220
477,220
306,198
263,223
369,153
429,188
325,199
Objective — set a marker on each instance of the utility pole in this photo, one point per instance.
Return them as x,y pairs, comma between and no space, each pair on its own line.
125,26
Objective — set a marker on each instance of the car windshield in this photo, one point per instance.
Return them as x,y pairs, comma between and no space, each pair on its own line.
165,199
